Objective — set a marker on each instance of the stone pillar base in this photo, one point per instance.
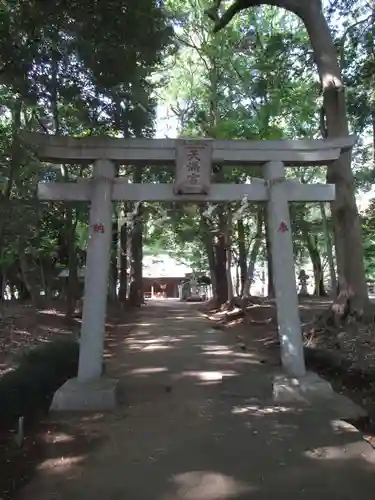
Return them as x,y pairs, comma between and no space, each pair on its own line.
288,389
96,395
317,392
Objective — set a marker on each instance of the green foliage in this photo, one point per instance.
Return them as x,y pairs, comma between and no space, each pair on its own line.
262,84
228,86
90,68
77,68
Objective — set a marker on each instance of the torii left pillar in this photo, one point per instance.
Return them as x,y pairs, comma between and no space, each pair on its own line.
90,390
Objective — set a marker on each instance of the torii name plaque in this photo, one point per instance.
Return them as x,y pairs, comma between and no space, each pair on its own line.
193,166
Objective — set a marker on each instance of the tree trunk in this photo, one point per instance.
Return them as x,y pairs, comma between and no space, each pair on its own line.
242,257
346,223
250,271
319,289
114,257
219,276
20,285
43,281
228,244
209,246
123,290
329,250
73,291
136,285
11,174
221,257
312,248
136,250
28,277
4,295
220,251
254,253
220,269
3,283
113,280
207,240
239,285
211,262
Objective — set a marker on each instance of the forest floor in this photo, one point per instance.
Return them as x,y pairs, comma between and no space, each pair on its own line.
21,328
354,344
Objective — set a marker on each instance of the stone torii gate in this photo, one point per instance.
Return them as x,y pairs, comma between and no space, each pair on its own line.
194,159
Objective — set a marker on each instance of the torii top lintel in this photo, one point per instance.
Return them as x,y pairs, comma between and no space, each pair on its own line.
58,149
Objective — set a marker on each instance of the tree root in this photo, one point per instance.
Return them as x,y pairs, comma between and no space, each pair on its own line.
346,309
239,308
244,302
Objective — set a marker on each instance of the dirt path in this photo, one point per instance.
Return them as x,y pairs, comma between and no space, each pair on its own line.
197,422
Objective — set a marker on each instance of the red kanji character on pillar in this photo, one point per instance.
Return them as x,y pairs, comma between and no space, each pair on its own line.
283,227
98,228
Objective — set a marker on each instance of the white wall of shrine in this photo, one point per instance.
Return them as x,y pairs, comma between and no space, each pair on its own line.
163,265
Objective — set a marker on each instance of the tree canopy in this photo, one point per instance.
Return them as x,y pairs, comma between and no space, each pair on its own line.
91,68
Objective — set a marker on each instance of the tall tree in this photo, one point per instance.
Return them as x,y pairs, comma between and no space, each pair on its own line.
349,248
63,71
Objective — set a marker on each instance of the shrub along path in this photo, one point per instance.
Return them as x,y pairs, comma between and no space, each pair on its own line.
197,422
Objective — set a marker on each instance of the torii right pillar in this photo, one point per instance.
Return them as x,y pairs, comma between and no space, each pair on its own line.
280,235
294,384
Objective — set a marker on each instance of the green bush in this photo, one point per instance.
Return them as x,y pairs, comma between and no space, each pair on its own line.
28,390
